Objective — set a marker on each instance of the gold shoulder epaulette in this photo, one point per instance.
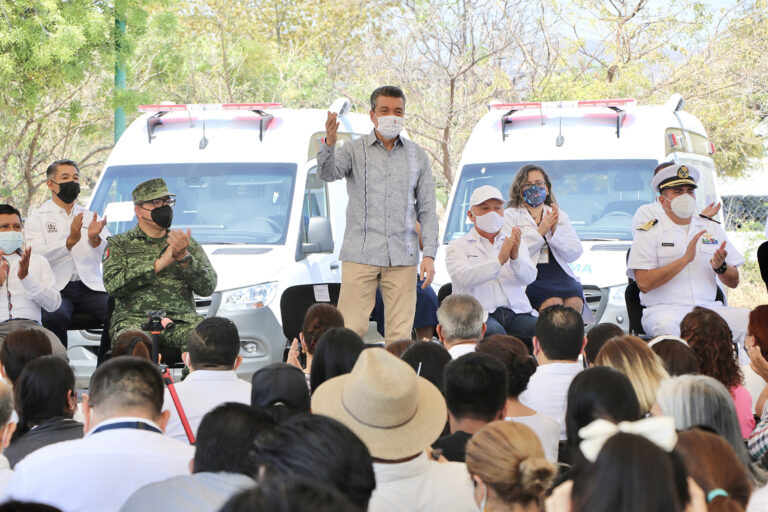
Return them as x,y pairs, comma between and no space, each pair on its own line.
648,225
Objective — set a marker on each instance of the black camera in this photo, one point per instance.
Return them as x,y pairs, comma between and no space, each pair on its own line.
157,322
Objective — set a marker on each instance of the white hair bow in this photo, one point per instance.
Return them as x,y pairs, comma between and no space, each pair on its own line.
659,339
660,430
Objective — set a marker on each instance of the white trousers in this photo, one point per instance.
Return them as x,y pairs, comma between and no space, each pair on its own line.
664,319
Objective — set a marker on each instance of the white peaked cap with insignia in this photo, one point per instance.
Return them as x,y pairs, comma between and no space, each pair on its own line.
675,176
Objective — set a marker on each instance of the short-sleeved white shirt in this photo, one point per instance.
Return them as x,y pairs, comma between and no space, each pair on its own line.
666,242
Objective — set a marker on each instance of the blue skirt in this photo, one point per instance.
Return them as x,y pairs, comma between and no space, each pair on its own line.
552,281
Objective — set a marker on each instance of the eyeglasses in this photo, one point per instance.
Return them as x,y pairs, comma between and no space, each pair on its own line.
537,184
157,203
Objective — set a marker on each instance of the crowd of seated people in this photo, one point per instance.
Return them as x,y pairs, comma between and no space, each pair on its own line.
519,404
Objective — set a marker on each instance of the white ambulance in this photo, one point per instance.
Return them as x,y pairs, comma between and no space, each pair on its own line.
245,184
600,156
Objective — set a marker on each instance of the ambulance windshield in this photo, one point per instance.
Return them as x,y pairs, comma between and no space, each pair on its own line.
221,203
599,196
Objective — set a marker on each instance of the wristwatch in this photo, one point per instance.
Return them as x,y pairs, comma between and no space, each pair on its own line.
185,259
721,269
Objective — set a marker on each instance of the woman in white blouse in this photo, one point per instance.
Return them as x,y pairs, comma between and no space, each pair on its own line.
550,238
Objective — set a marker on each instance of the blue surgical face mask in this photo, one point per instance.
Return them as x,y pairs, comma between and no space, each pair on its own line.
534,196
10,241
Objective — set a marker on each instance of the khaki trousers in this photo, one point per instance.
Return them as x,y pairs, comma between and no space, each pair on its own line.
358,296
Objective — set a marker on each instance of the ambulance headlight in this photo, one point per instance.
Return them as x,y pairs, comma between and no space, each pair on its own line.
251,297
616,295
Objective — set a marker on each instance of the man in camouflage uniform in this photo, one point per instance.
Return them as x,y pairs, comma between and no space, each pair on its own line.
151,267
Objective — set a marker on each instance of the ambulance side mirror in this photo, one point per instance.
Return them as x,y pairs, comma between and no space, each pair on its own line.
319,236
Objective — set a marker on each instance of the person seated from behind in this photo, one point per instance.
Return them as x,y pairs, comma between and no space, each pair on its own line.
7,426
219,469
46,401
281,390
292,494
558,342
123,449
597,392
336,354
677,356
213,355
708,335
460,324
398,415
18,349
494,266
520,366
631,356
318,448
475,393
508,467
318,319
596,338
428,359
132,343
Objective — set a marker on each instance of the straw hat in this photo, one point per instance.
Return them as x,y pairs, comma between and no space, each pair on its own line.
393,411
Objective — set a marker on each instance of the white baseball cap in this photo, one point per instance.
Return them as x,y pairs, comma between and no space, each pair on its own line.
484,193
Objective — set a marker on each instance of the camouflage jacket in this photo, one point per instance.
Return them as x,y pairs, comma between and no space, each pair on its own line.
129,277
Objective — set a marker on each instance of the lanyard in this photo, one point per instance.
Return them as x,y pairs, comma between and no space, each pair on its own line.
138,425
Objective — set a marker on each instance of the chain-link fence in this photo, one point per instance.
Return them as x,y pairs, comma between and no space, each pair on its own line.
745,213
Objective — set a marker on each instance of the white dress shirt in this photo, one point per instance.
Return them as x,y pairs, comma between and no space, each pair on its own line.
422,485
100,471
5,474
460,349
547,391
27,296
46,231
696,283
547,429
473,264
199,393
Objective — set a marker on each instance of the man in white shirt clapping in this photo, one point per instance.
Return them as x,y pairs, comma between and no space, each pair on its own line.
26,281
73,240
494,267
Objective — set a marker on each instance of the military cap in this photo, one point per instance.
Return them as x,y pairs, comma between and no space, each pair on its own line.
675,176
149,190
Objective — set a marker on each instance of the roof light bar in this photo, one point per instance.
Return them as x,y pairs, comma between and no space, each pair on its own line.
606,103
162,109
250,106
515,106
171,107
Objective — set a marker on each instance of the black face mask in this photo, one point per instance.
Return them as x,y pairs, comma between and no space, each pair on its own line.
68,191
162,216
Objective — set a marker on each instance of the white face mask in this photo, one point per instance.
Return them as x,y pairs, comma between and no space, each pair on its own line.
683,206
389,127
491,222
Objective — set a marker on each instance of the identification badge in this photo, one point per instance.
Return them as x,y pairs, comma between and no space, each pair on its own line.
667,244
544,255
